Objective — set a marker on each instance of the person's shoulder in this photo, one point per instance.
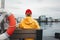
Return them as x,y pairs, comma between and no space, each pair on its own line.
34,20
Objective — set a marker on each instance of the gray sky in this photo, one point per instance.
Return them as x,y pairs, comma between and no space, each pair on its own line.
50,8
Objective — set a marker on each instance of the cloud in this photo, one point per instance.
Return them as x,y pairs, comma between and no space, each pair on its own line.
39,7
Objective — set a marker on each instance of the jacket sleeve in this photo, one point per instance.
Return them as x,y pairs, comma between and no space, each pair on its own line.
37,26
21,25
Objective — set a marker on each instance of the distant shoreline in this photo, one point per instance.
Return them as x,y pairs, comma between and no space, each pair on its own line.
49,21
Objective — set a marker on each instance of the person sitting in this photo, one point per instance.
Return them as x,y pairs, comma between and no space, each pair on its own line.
28,23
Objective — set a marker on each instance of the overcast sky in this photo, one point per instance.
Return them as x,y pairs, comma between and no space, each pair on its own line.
50,8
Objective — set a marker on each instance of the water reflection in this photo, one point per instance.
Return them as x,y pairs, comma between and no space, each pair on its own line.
45,25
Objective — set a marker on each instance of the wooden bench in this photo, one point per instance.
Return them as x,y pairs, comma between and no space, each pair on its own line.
21,34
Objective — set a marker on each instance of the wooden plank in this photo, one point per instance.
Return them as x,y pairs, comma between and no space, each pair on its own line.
25,31
23,36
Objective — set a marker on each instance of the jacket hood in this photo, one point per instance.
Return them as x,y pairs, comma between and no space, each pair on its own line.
28,20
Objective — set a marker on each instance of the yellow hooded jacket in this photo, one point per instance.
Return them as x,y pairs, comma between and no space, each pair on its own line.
29,23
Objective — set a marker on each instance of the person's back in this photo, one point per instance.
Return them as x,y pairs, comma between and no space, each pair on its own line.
29,23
